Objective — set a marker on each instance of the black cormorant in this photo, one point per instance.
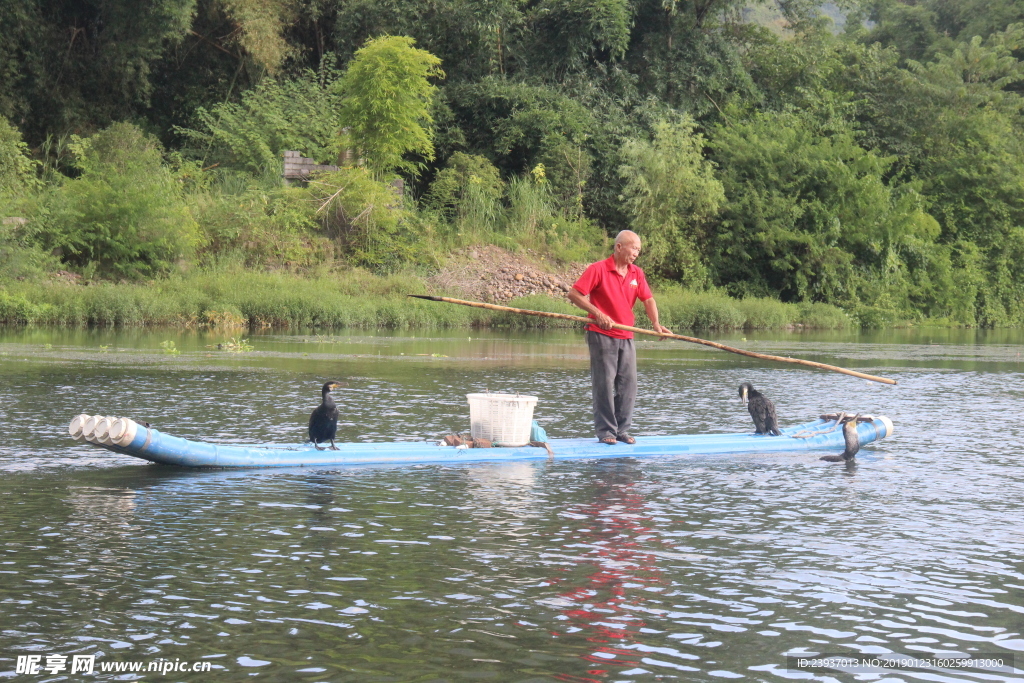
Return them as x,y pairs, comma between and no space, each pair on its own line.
851,439
761,409
323,421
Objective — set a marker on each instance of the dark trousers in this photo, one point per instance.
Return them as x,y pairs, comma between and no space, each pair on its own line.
613,379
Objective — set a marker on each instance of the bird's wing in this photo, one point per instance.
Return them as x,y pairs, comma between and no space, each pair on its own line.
771,421
757,413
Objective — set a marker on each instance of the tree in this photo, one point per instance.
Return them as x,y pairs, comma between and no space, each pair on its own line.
260,25
670,193
386,103
810,218
520,125
299,113
82,65
570,34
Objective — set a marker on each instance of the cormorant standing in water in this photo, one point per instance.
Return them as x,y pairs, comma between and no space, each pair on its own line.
323,421
761,409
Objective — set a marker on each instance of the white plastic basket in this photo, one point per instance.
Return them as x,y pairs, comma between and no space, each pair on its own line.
504,419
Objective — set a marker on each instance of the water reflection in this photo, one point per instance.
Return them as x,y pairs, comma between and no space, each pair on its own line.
603,605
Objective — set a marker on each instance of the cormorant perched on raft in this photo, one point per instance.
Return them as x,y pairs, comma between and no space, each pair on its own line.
323,421
852,440
761,409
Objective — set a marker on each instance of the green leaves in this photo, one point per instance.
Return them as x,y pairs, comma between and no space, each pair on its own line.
570,34
810,217
300,114
469,187
260,28
125,214
17,169
366,219
671,193
386,103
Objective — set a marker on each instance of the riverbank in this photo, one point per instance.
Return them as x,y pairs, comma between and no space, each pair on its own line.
357,298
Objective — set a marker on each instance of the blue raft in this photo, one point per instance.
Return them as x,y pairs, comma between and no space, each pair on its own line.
123,435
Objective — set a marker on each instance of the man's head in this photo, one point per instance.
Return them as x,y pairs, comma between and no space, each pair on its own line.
627,247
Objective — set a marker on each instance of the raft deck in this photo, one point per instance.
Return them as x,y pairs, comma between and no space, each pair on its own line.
124,436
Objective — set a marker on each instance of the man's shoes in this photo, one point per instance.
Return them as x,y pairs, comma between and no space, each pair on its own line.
626,438
610,440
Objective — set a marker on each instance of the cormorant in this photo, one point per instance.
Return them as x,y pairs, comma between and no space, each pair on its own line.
852,440
323,421
761,409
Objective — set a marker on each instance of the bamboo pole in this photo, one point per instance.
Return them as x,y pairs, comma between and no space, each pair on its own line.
640,330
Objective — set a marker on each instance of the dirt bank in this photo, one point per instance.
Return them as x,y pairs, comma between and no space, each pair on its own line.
498,275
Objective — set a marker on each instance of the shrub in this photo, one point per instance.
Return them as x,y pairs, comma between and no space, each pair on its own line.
20,257
277,115
875,317
467,192
263,226
368,220
534,220
766,314
124,215
824,316
16,309
682,309
17,170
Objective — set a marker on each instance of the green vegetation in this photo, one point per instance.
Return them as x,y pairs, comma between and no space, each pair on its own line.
386,100
247,298
781,171
123,216
228,299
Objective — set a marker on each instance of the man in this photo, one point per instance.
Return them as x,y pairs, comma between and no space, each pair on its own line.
607,291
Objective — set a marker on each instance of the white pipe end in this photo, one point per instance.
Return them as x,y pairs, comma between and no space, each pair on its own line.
90,427
77,425
102,430
99,434
123,431
116,431
888,425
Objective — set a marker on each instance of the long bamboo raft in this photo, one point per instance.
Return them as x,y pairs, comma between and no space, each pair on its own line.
125,436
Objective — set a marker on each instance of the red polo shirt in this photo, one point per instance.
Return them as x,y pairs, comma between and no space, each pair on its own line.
613,294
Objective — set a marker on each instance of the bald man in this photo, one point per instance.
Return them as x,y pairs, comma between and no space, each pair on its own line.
607,291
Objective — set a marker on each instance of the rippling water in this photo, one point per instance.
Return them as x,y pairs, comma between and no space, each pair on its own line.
688,568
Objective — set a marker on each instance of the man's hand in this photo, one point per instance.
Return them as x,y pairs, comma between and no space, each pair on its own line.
603,321
652,315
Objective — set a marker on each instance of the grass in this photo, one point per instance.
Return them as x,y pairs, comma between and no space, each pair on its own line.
354,298
680,309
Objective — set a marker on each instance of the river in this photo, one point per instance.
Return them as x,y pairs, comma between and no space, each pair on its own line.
697,568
